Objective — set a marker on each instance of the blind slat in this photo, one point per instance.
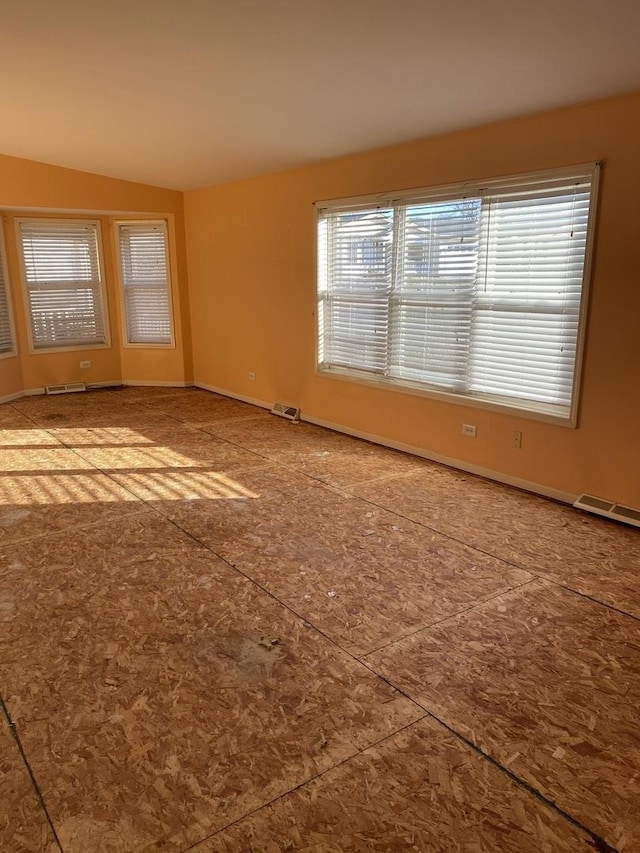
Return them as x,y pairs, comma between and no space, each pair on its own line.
145,283
6,338
64,287
477,295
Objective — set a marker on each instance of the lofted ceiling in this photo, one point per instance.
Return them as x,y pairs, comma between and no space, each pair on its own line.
188,93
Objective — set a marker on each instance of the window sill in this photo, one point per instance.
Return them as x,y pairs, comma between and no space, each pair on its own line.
537,412
71,348
150,346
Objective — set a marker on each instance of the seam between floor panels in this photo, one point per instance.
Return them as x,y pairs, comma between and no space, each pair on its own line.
295,788
34,782
535,574
306,622
431,625
597,842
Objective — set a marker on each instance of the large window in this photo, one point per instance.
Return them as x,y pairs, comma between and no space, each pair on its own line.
61,264
6,327
144,273
472,291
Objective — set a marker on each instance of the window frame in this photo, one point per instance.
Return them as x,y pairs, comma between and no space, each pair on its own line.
118,223
33,350
530,180
13,351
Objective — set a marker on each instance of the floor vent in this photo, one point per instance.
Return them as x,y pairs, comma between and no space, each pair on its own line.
68,388
626,514
291,413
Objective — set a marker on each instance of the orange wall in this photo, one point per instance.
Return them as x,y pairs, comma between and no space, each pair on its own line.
252,290
28,188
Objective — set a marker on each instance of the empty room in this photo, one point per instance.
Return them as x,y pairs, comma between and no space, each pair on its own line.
319,427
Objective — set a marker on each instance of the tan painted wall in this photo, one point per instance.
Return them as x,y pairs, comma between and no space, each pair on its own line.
252,289
36,189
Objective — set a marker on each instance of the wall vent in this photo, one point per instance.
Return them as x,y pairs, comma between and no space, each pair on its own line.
291,413
68,388
608,509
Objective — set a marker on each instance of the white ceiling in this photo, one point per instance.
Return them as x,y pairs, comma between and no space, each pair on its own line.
188,93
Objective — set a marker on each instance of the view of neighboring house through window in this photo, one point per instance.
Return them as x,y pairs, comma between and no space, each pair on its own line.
61,265
6,332
144,271
468,291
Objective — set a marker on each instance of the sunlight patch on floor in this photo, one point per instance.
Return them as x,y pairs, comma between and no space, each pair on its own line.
60,488
184,485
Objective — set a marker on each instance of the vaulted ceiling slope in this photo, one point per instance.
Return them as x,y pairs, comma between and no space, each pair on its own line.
189,93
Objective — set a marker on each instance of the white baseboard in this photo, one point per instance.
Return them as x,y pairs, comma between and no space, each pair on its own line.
114,383
9,397
91,386
139,383
234,396
155,383
488,473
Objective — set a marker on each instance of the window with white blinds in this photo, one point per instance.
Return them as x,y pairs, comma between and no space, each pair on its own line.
6,329
61,264
144,272
469,291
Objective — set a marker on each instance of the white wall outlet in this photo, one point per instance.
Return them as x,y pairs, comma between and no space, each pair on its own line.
516,439
252,375
469,429
85,364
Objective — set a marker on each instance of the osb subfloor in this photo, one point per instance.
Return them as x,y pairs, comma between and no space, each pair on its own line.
225,633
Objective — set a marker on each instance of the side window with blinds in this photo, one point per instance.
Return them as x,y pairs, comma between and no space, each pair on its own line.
475,292
146,288
63,283
6,326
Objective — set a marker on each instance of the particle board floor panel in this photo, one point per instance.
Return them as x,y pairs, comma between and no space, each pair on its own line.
161,695
80,437
198,406
164,709
593,556
174,453
330,457
47,502
548,684
192,488
87,408
11,418
26,436
348,568
420,791
23,824
45,486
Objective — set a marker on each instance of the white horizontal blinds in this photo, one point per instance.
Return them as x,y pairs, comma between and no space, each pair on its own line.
474,291
62,276
527,309
354,284
436,271
6,338
145,282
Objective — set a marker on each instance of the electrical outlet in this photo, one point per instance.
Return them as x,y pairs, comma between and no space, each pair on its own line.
84,364
469,429
252,375
516,439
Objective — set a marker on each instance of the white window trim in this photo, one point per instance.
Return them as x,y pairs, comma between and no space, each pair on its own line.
533,411
121,300
25,290
13,352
